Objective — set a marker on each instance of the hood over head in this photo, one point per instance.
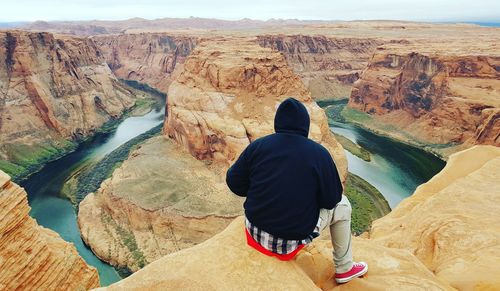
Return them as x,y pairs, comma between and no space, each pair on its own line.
292,117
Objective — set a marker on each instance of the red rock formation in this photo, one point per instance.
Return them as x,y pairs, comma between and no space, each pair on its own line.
53,88
146,57
327,65
33,257
226,95
449,99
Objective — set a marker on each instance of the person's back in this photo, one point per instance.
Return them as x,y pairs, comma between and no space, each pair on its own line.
291,187
290,177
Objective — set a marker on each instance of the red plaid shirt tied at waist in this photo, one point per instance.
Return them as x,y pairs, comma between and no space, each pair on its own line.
270,245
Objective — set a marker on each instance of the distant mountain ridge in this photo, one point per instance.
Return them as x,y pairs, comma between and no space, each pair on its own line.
94,27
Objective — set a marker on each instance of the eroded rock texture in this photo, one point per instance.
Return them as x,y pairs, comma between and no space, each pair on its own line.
226,96
33,257
53,89
450,223
328,66
438,97
146,57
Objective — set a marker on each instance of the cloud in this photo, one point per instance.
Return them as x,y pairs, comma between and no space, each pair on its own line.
442,10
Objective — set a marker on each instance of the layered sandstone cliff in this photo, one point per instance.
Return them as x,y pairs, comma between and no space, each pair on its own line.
328,66
33,257
146,57
52,89
436,97
444,237
226,96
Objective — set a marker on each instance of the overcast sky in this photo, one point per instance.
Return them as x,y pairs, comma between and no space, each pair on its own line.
430,10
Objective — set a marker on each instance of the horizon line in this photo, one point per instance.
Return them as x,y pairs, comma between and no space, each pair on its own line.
470,21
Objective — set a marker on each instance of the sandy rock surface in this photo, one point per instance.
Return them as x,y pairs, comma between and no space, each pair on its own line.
226,262
451,222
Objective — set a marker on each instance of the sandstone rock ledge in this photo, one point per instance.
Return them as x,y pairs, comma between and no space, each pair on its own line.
452,223
33,257
225,262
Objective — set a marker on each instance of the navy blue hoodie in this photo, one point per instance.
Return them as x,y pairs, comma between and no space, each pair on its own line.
286,177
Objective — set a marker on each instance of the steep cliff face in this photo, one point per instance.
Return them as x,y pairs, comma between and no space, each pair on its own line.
146,57
443,237
450,223
161,200
33,257
328,66
52,89
226,96
438,98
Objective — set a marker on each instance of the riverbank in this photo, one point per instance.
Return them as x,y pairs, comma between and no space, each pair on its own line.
353,148
368,204
89,178
337,110
395,168
24,160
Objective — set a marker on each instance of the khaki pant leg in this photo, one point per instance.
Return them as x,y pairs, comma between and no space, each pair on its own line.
339,221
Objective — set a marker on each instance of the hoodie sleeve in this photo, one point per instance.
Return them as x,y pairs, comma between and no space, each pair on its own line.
238,175
330,185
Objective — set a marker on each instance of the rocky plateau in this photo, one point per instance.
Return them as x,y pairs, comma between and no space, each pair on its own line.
328,66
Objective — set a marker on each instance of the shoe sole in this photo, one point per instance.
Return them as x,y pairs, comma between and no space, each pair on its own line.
347,279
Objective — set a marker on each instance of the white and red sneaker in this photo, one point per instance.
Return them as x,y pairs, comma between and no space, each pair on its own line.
357,270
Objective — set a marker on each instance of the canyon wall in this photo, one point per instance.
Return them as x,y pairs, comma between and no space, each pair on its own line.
52,89
226,96
442,98
146,57
328,66
443,237
33,257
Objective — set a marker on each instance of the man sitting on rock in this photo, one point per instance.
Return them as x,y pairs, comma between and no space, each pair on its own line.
293,192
